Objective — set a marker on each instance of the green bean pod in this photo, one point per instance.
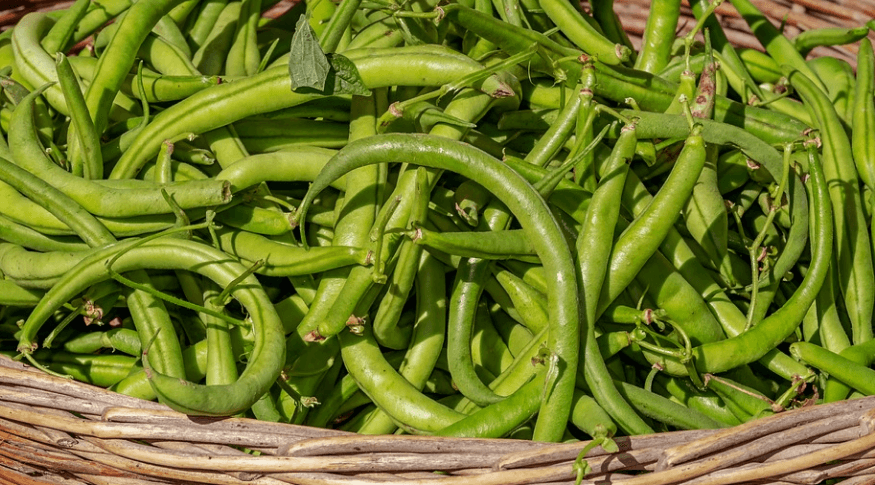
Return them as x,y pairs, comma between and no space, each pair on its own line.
862,146
659,34
648,230
116,60
527,207
664,410
268,91
210,55
582,34
268,353
853,244
593,259
765,336
427,338
777,46
827,36
510,244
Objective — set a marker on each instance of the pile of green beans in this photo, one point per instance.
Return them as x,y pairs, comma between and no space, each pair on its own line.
478,218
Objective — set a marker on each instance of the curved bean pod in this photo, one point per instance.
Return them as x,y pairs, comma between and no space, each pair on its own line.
530,209
269,91
268,354
758,341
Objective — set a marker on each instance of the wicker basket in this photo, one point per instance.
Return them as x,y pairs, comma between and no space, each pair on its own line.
56,431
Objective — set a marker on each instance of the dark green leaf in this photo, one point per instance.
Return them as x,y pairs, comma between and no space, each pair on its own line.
312,71
308,66
347,79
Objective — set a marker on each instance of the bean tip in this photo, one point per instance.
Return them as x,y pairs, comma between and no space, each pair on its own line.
226,191
313,336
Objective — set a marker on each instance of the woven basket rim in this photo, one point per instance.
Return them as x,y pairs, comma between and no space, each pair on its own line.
56,427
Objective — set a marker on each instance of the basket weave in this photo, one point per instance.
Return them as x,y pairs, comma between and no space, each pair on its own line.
62,432
56,431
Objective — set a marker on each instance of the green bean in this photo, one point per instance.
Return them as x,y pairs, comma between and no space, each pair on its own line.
483,245
61,206
827,36
407,406
157,88
777,46
12,294
427,338
516,336
706,402
838,75
99,370
383,32
34,269
684,305
658,36
470,198
766,335
283,259
243,57
652,225
122,339
15,233
206,18
664,410
210,55
337,25
581,33
386,329
116,59
836,390
607,19
58,37
436,151
266,136
152,320
851,373
33,64
705,212
863,118
302,164
852,240
732,171
831,330
24,211
511,38
91,165
521,302
568,196
593,259
168,29
497,420
463,306
488,349
102,200
746,403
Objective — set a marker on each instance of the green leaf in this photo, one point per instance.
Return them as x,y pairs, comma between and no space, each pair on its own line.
610,446
308,66
347,79
311,71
